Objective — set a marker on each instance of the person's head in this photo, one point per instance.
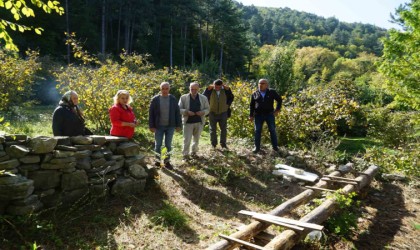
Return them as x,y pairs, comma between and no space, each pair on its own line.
71,98
164,88
218,84
194,88
122,97
263,84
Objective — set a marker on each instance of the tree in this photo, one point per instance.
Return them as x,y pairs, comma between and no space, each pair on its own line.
19,9
401,62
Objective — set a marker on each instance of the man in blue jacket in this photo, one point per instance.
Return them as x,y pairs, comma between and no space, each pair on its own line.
262,110
164,119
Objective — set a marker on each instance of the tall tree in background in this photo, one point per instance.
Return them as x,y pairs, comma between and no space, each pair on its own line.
402,58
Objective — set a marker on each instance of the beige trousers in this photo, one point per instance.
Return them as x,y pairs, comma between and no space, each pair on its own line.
191,130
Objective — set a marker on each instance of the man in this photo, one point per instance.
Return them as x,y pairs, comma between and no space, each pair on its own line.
193,107
262,110
164,118
220,98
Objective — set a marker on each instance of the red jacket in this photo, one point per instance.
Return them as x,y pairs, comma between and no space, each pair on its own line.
118,114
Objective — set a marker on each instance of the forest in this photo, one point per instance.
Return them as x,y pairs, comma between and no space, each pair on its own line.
350,92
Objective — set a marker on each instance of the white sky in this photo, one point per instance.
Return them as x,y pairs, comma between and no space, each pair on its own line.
375,12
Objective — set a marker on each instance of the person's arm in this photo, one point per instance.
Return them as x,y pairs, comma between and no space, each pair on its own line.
178,120
205,106
208,91
229,96
277,97
57,122
152,125
115,118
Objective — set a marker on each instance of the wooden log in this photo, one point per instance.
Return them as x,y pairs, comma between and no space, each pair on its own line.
278,223
284,208
340,181
339,178
242,242
288,238
322,189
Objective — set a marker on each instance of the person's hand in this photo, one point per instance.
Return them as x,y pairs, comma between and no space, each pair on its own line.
178,129
153,130
210,87
226,87
199,113
190,113
137,122
132,124
251,118
276,112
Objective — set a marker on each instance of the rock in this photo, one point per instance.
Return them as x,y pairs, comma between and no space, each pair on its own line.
87,147
16,137
68,170
83,163
290,159
97,155
81,140
63,154
314,235
42,144
43,193
2,139
98,139
63,140
394,177
9,179
51,200
139,159
115,139
126,186
58,166
331,168
17,151
45,179
22,210
11,143
104,180
30,159
118,157
66,148
20,190
2,153
128,149
27,201
4,158
63,160
345,168
112,146
107,154
137,171
1,147
47,157
10,164
82,154
98,190
72,196
3,205
98,162
75,180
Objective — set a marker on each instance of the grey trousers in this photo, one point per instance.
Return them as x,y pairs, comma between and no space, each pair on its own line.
191,131
220,119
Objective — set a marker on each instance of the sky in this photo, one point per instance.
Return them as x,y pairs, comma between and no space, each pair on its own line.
375,12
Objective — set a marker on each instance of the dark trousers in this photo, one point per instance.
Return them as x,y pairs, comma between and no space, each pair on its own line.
220,119
258,122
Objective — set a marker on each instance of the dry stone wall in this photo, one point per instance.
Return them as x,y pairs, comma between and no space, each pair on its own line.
43,172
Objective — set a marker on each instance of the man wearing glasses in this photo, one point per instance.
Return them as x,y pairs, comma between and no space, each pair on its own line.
194,107
262,110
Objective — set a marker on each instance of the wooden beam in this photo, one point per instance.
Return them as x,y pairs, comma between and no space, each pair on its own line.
278,223
242,242
283,220
284,208
339,178
288,238
340,181
322,189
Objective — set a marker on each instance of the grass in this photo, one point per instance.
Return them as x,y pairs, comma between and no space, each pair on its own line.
170,216
355,145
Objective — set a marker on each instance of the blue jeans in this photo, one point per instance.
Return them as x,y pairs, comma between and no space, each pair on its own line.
258,122
168,132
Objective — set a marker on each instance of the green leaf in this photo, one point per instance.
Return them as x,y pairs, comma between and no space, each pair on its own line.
21,29
38,31
8,5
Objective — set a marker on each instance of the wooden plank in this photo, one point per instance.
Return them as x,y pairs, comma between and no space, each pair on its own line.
322,189
278,223
306,176
242,242
340,181
340,178
283,220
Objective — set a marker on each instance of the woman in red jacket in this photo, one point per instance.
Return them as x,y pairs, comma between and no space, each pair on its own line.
122,116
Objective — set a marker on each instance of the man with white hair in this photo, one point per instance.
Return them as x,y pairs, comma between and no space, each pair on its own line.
164,119
194,107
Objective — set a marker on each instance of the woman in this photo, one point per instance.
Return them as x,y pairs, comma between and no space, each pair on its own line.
122,116
67,117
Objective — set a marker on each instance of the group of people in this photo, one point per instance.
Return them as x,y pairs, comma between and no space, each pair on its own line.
167,115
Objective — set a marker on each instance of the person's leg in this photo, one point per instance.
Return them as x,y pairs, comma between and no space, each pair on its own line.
223,129
158,142
271,123
169,133
187,131
258,123
213,129
198,128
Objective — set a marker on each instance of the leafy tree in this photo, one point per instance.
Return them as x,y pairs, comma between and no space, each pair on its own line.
401,56
20,9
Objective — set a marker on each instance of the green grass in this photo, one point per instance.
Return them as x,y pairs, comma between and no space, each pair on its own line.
355,145
170,216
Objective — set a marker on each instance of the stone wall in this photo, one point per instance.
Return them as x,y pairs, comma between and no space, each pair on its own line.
43,172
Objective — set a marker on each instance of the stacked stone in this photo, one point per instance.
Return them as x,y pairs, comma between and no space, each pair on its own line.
49,171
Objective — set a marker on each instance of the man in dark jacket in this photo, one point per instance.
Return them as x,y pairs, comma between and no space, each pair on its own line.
164,118
262,110
220,98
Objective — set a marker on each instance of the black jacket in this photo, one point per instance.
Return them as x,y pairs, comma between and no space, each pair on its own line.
264,106
66,122
174,113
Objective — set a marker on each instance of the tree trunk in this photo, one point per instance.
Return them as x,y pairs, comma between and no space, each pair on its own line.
201,44
221,58
192,55
103,28
132,33
119,29
170,51
68,31
127,30
185,45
